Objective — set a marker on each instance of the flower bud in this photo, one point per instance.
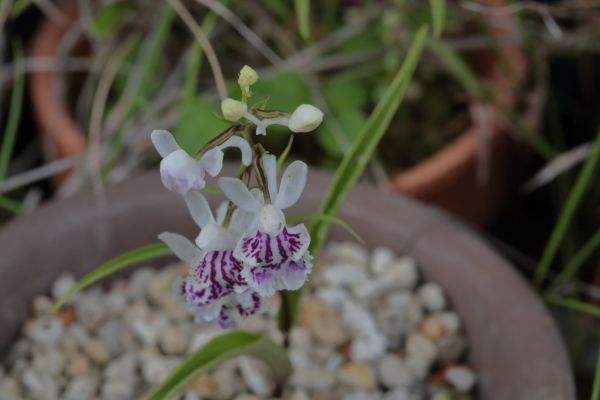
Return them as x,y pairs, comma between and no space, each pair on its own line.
247,77
305,118
233,110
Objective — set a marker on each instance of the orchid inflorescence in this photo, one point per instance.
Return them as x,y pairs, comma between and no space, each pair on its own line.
245,251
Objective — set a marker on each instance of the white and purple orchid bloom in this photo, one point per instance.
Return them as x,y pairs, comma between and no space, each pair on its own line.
181,173
275,256
215,288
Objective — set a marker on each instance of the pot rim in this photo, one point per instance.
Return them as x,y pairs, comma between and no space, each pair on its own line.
515,346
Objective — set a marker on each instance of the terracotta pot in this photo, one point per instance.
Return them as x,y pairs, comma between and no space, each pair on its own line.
515,347
447,179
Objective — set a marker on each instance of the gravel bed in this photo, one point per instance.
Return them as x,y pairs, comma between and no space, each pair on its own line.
370,329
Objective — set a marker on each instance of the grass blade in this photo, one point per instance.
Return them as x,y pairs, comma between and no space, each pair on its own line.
220,349
316,217
575,305
596,387
14,116
123,261
303,15
354,163
11,205
438,16
285,153
567,212
575,262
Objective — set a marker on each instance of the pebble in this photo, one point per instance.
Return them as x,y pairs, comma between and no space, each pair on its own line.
460,377
366,332
432,297
62,285
393,372
358,375
173,340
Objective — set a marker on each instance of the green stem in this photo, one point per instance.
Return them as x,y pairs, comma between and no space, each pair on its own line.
596,387
567,213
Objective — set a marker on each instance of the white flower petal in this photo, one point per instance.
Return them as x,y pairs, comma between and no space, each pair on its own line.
181,173
213,237
270,219
242,144
221,212
293,181
238,193
241,221
199,209
269,164
181,247
212,161
164,142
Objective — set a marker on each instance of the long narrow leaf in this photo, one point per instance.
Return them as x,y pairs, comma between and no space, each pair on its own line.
14,113
596,387
575,305
10,205
575,262
123,261
303,14
317,217
567,213
438,16
354,163
220,349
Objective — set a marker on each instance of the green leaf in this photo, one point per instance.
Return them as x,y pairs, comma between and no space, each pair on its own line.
303,15
19,7
596,387
14,112
354,163
123,261
582,184
199,122
575,305
111,16
362,150
284,154
220,349
438,16
315,217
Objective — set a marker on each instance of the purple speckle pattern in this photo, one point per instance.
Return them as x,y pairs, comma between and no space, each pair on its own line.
263,249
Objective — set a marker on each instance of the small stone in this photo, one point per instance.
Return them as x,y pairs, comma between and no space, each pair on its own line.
323,321
433,328
67,315
121,368
450,321
208,385
139,283
345,274
358,375
118,389
10,389
368,348
162,293
155,369
42,305
403,273
361,395
432,297
96,351
173,340
77,365
45,330
393,372
62,285
381,258
255,377
451,348
332,295
48,359
247,397
350,252
460,377
40,385
299,394
148,328
201,337
421,350
82,387
400,394
314,378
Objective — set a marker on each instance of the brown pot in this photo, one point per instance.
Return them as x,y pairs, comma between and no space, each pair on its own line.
447,179
515,347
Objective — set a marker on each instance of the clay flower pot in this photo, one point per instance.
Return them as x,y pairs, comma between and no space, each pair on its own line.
447,179
515,347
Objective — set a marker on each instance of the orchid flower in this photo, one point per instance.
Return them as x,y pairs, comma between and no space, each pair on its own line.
275,255
181,173
215,288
